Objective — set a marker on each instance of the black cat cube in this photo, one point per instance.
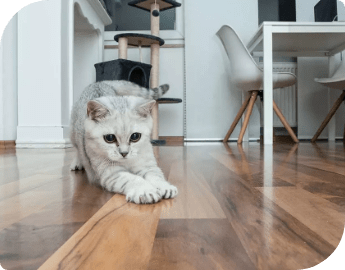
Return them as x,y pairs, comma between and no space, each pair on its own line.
122,69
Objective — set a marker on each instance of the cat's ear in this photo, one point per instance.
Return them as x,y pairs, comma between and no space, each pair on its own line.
96,111
145,109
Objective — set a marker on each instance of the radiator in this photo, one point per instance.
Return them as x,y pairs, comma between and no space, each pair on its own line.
286,98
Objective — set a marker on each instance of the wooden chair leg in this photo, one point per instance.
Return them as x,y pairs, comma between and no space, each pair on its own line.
329,116
237,118
253,97
285,122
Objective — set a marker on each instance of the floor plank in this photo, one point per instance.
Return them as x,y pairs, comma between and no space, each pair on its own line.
272,238
14,209
195,200
45,219
321,216
29,183
239,207
120,235
198,244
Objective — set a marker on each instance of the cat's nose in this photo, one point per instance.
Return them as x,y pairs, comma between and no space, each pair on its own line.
124,154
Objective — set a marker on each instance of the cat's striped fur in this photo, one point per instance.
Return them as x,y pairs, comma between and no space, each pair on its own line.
120,108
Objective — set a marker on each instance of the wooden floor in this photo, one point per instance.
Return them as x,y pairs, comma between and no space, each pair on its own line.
237,208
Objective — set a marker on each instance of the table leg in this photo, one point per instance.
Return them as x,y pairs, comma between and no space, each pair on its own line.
268,85
331,123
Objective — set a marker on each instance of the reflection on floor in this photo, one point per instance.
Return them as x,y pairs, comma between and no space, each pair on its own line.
249,207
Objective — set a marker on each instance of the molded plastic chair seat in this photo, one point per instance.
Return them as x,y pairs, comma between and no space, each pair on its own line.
280,80
334,84
337,81
247,76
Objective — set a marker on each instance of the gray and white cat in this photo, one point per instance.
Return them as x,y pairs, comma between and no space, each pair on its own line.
111,126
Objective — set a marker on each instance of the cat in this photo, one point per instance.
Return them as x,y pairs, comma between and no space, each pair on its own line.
111,125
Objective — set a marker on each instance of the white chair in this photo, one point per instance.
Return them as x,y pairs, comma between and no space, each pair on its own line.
249,77
337,81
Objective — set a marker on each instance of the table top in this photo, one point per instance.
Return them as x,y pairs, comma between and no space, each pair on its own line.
301,38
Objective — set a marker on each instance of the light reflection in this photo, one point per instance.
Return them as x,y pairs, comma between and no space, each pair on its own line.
267,190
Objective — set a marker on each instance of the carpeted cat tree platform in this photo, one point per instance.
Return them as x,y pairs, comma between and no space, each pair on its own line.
143,74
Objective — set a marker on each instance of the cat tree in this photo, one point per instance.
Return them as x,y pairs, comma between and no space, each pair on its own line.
153,41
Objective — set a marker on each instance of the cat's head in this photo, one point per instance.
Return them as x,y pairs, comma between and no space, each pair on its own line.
118,128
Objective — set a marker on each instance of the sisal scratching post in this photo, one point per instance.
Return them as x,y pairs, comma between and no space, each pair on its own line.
155,69
154,84
123,46
154,20
140,52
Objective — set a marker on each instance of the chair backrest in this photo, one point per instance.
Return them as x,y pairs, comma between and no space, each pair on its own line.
244,69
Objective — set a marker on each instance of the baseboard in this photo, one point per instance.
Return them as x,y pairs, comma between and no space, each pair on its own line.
279,131
7,144
42,137
173,140
63,144
217,140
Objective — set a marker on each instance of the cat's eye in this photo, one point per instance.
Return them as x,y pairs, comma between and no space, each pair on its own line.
135,137
110,138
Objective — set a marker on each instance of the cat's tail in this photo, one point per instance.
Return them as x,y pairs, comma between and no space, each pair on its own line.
159,91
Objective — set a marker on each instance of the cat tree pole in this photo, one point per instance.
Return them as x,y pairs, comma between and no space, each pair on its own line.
155,68
153,41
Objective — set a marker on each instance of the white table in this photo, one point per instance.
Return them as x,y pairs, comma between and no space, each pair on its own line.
292,39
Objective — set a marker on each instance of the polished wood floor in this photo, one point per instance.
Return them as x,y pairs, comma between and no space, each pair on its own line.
239,207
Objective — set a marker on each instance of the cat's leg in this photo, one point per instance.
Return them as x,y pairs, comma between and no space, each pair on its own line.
85,161
76,164
135,188
155,177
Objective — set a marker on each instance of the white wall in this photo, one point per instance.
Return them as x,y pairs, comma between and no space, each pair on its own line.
2,101
8,82
85,43
45,66
66,54
312,108
39,72
212,102
85,54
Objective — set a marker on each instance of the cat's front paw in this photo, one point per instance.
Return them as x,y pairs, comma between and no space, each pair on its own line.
76,165
143,194
167,190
